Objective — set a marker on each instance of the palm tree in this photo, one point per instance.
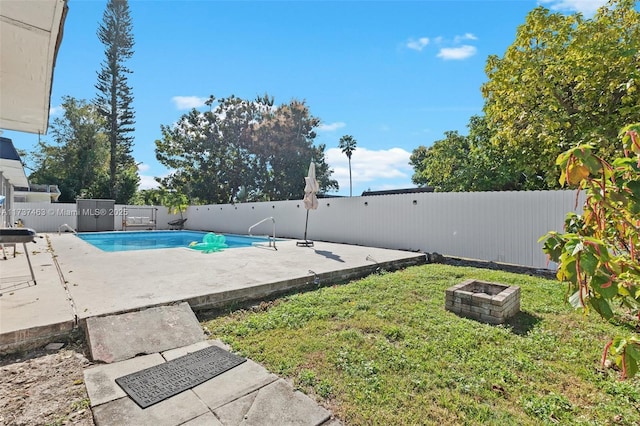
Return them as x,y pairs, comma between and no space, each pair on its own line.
348,145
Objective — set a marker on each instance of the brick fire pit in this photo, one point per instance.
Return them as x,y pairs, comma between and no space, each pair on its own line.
483,301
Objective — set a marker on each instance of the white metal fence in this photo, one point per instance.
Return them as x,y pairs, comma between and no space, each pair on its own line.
49,217
491,226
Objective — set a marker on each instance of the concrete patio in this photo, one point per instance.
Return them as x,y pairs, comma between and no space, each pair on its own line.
135,308
76,280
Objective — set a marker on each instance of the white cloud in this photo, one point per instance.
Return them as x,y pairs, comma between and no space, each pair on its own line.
56,110
369,166
586,7
466,36
454,51
331,127
418,44
143,167
457,53
148,182
188,102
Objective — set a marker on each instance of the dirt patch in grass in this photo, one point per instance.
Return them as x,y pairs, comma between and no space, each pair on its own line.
43,387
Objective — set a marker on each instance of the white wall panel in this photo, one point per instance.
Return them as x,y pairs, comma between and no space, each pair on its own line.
45,217
491,226
48,217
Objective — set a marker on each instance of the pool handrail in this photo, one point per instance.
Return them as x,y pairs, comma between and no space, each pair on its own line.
66,226
269,237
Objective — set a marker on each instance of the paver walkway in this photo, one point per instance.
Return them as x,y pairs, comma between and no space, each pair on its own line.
244,395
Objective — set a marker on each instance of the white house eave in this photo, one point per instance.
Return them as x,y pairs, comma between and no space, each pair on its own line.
13,171
30,36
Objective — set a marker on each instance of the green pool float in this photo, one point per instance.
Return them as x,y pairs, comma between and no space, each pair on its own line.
210,243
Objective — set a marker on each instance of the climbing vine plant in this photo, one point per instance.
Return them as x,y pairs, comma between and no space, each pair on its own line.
598,254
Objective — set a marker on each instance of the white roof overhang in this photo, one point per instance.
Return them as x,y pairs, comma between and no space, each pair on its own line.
30,36
14,173
10,165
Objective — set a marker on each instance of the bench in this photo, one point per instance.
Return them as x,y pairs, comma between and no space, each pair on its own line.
144,222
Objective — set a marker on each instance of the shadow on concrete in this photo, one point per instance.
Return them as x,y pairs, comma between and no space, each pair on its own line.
329,255
9,286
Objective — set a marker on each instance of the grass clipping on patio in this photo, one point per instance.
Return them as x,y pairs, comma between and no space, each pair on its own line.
383,350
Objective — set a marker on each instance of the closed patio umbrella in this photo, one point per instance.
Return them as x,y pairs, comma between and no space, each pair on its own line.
310,200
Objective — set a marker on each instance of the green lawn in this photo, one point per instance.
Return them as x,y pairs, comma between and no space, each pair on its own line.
384,351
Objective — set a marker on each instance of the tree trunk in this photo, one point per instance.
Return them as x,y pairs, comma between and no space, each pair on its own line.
350,184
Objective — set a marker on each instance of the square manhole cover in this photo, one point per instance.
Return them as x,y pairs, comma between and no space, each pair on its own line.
154,384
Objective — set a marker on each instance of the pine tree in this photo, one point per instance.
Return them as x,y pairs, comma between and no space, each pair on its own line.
114,98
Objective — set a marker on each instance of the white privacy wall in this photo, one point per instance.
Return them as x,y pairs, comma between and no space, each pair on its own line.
45,217
491,226
48,217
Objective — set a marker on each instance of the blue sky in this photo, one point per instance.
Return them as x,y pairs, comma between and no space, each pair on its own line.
394,75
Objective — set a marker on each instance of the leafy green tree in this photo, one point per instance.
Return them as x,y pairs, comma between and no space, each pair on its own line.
115,97
467,163
564,81
443,164
242,151
283,142
210,152
77,161
148,197
348,144
490,168
323,171
599,252
417,161
176,202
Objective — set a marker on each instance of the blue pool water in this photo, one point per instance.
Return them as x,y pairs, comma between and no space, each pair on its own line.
148,240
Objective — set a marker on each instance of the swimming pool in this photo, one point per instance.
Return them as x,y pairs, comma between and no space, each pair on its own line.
149,240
